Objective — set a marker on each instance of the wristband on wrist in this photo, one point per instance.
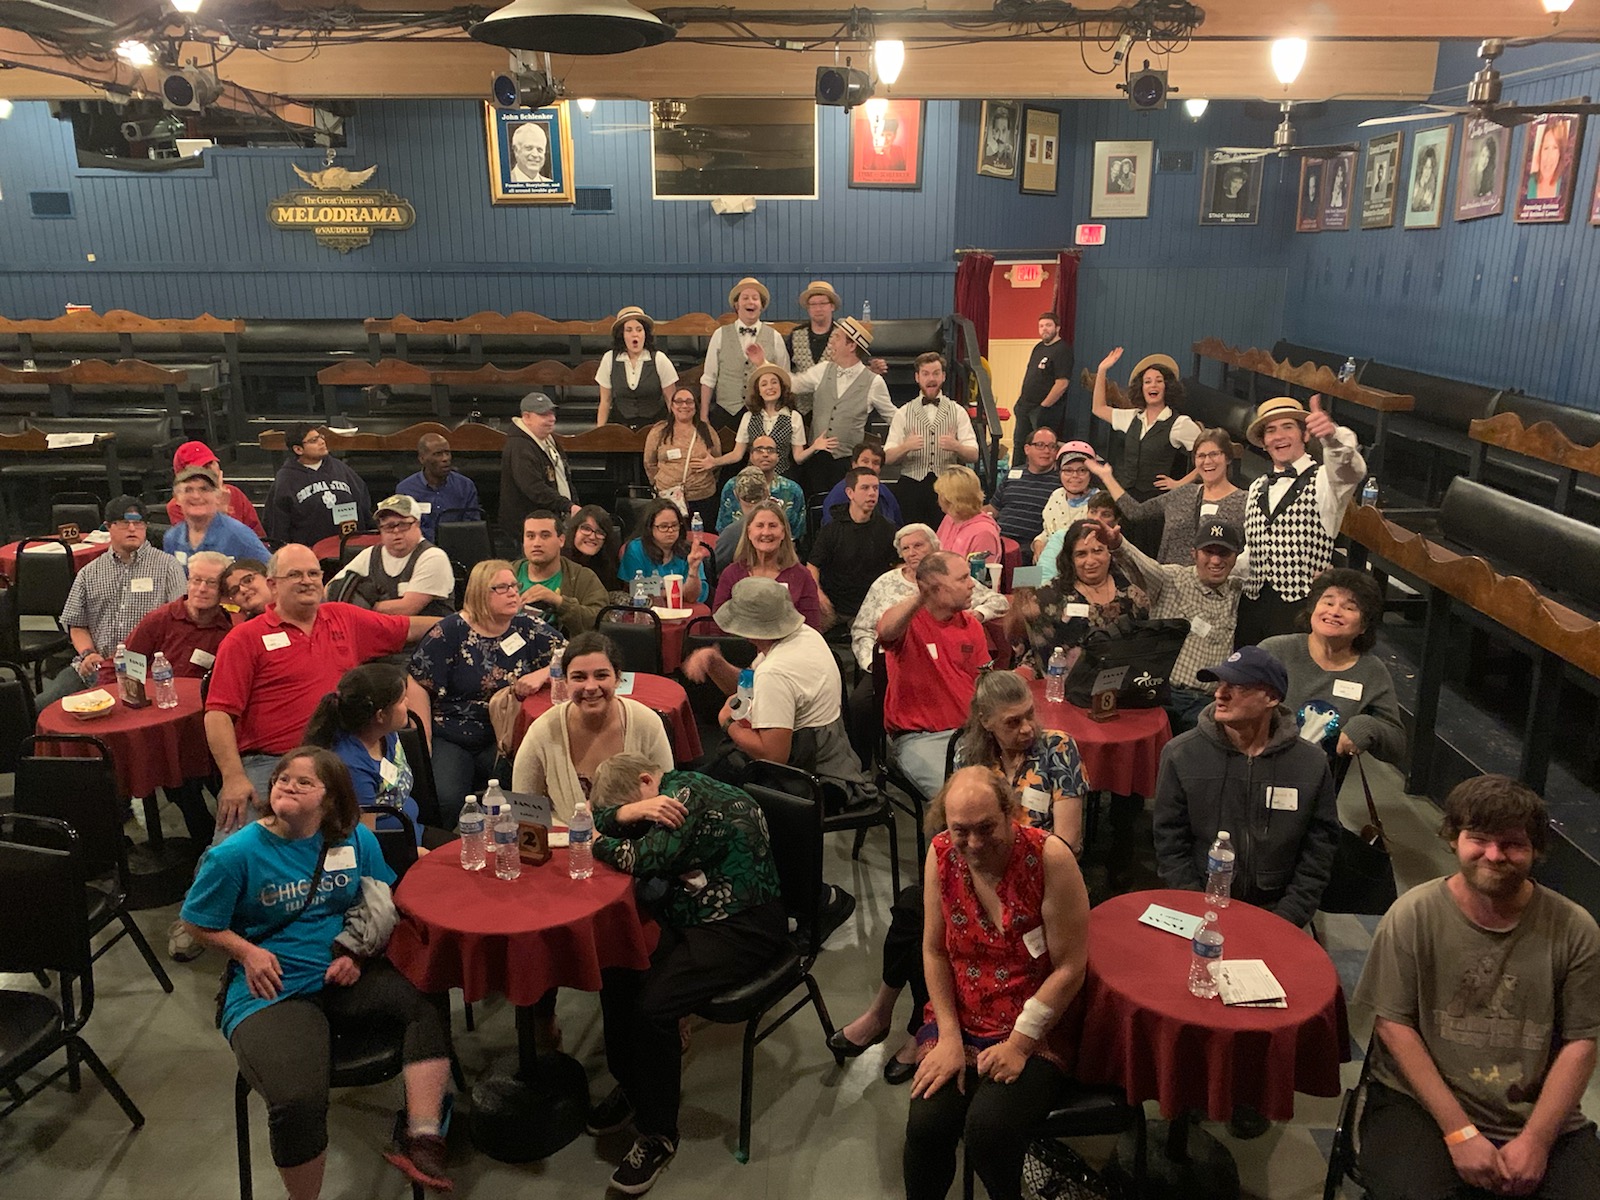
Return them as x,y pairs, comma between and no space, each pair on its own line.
1465,1134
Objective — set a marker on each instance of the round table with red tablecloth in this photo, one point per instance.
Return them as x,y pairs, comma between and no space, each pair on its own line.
1121,755
83,553
150,747
672,631
655,692
328,547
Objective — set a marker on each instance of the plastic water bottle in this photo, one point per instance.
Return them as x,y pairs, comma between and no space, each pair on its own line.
507,862
745,696
121,660
161,676
1055,677
473,823
697,524
559,692
580,842
1348,371
641,598
1207,945
495,804
1369,492
866,310
1219,871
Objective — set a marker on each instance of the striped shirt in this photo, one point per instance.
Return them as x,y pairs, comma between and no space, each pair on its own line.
1019,502
1176,591
109,597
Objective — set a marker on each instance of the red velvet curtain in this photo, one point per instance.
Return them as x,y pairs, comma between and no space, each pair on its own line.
1067,294
972,294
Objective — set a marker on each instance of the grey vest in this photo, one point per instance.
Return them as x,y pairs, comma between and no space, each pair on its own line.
841,416
733,368
379,585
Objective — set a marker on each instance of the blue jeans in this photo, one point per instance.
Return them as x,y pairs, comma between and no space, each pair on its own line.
458,770
1184,708
59,687
920,756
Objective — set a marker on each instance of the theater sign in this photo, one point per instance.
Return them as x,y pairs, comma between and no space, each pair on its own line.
338,211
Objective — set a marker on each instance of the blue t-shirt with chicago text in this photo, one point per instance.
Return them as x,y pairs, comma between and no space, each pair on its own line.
251,882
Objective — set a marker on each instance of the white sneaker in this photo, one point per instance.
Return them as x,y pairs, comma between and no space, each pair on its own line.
182,945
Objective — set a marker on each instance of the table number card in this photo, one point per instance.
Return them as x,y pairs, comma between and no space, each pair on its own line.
1170,920
624,683
133,679
1103,693
533,826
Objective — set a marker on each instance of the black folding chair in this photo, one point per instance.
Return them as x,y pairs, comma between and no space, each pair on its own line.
468,542
414,742
705,699
794,824
1344,1154
915,804
17,716
637,633
44,926
836,818
83,793
399,846
83,509
43,580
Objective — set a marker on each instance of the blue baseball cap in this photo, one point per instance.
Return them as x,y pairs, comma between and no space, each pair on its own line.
1248,664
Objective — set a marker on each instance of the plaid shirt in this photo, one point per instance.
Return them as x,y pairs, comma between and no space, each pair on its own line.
1176,591
103,599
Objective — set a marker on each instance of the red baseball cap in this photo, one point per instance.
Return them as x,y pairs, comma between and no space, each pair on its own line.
193,454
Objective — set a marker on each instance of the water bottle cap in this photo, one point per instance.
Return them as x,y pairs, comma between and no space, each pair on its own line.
494,783
747,677
1211,918
1222,835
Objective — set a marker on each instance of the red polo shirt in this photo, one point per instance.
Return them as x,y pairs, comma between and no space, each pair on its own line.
270,675
933,673
189,647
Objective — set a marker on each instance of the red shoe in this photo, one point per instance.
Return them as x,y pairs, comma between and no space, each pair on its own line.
421,1157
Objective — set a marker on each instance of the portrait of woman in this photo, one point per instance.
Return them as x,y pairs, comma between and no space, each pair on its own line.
1481,176
1430,158
1549,164
1308,216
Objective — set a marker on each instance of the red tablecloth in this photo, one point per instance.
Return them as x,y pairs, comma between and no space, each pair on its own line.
672,638
1144,1031
1121,755
83,554
655,692
518,938
328,547
152,747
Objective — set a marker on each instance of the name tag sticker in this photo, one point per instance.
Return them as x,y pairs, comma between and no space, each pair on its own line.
275,641
1285,799
424,507
1347,689
343,513
512,642
1034,941
933,651
1208,510
142,584
340,858
1200,627
182,556
1036,801
388,771
1017,474
201,658
1077,610
674,454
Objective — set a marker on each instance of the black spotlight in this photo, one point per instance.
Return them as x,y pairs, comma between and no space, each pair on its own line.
524,89
1147,89
842,87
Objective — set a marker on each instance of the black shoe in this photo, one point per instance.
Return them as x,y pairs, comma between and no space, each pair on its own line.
611,1115
843,1046
643,1165
1246,1123
835,911
896,1072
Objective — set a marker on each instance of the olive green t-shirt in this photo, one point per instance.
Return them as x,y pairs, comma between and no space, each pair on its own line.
1493,1006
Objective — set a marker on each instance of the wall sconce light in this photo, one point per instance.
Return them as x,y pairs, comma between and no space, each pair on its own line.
1196,107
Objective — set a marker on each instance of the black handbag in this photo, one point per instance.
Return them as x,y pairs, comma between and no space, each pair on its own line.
1363,874
1147,649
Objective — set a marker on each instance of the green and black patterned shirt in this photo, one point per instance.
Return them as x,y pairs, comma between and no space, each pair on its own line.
718,864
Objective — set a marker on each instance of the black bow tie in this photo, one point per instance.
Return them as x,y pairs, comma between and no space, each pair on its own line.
750,329
932,401
1278,473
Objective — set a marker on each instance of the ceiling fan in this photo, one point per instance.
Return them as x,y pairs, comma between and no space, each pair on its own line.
1283,144
1483,96
669,116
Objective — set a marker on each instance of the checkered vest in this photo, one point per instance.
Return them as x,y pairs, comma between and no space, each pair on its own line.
1288,547
733,368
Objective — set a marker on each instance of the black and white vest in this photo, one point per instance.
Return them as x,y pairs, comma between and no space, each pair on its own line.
800,356
1289,547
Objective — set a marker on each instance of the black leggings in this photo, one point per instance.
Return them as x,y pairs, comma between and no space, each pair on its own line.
996,1121
283,1051
902,952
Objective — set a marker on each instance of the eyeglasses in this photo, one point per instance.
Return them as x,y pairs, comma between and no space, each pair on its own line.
297,785
671,527
504,589
590,530
241,581
1051,444
314,575
205,583
395,526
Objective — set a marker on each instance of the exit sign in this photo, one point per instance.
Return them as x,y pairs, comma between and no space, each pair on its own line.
1091,235
1025,275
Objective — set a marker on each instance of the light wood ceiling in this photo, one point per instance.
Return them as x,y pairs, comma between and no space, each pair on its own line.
1361,49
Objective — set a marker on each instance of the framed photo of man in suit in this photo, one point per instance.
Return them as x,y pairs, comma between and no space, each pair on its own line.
530,154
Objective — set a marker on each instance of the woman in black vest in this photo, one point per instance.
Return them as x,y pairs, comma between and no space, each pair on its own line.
634,376
1156,440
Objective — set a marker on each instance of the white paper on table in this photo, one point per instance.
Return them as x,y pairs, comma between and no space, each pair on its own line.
1248,981
1170,920
63,441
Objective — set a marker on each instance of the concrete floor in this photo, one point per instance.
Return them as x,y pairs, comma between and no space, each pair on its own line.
819,1131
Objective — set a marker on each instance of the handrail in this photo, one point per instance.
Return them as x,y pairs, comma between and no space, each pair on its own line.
967,361
1541,440
1314,376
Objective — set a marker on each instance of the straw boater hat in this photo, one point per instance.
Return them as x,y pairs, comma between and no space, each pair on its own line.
633,313
819,287
768,368
752,282
1271,410
858,332
759,608
1148,361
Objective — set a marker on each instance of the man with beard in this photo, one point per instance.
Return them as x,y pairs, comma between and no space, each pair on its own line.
1485,988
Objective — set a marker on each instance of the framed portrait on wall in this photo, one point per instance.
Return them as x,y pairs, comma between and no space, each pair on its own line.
1379,181
998,127
1481,174
1549,169
1308,209
1230,192
1338,178
1594,202
530,154
1430,160
1121,186
1041,163
886,144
